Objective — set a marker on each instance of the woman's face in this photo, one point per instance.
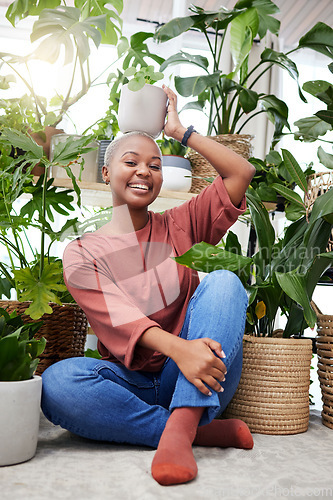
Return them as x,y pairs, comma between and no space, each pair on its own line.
135,172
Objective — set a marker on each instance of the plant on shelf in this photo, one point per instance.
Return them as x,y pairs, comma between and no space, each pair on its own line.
62,31
19,347
282,273
32,272
169,146
230,99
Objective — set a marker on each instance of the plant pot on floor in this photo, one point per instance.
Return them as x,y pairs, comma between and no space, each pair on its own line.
273,393
177,174
65,331
240,143
89,173
143,110
19,420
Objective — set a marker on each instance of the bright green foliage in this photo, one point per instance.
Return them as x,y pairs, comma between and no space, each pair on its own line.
282,273
19,350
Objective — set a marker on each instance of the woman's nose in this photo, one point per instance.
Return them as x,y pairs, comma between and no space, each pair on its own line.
143,169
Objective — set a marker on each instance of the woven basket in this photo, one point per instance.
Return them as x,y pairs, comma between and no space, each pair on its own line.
273,393
324,344
240,143
65,331
318,184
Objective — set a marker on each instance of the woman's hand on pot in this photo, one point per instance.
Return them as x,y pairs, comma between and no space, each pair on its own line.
198,363
173,127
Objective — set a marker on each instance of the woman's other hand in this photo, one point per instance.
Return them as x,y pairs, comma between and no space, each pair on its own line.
173,127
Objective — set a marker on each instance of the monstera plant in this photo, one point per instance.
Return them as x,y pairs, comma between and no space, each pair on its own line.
61,31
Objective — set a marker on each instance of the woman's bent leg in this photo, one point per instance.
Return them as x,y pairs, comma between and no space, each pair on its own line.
104,401
217,310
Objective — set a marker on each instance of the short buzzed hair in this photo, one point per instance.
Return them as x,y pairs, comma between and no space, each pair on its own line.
113,146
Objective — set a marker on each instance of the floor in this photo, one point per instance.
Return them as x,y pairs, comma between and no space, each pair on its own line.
67,466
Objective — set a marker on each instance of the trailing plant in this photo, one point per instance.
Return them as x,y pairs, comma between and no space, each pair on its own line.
169,146
19,348
37,278
230,99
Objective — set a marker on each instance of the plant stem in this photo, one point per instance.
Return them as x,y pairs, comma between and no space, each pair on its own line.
42,241
250,118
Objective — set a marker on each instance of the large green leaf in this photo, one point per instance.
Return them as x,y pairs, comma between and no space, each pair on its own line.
326,115
183,57
294,285
20,9
260,219
243,29
319,38
103,7
325,158
194,85
70,150
138,51
322,208
40,290
319,89
295,171
289,194
207,258
174,28
23,141
248,99
311,128
63,27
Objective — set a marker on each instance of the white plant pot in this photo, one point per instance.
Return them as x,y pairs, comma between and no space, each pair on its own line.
177,175
19,420
143,110
90,168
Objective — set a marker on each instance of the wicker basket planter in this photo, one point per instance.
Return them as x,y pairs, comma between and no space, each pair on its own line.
240,143
65,331
273,394
324,344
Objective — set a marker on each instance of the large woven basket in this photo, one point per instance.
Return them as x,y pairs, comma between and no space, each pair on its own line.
240,143
324,344
65,331
319,183
273,393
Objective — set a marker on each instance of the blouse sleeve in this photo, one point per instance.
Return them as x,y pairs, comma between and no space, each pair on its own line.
115,319
208,216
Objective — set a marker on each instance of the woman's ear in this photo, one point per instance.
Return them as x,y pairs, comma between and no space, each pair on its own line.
105,174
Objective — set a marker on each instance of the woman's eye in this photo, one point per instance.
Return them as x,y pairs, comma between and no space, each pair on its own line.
130,163
155,167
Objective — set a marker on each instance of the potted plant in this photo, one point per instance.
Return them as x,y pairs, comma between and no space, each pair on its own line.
32,272
280,276
176,168
230,100
20,388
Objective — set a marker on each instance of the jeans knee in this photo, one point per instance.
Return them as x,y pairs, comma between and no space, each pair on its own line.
224,281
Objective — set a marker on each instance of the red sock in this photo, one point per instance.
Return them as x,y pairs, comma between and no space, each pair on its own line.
225,433
174,462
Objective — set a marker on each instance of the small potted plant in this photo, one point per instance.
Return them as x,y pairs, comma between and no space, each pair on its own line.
177,175
20,388
142,105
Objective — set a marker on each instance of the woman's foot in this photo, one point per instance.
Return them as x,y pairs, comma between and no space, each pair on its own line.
174,462
225,433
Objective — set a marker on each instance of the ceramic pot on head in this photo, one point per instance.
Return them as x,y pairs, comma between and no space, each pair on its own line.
143,110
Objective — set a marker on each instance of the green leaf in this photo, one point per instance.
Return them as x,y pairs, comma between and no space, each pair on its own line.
70,150
63,27
319,38
18,140
90,353
194,85
195,105
295,171
311,128
294,285
322,207
208,258
317,88
40,290
326,115
183,57
325,158
290,195
272,56
260,219
232,244
174,28
248,99
243,29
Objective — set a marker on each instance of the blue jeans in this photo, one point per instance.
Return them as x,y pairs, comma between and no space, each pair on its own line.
102,400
